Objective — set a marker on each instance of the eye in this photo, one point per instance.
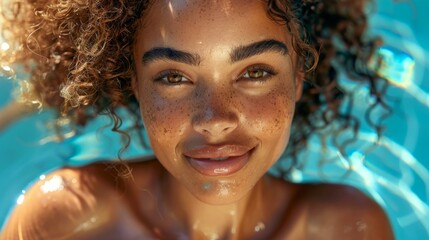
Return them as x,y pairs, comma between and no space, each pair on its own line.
172,77
258,73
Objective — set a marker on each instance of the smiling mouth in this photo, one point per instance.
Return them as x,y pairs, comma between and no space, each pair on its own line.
219,161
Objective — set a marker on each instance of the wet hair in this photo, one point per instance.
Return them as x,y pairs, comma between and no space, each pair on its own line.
78,54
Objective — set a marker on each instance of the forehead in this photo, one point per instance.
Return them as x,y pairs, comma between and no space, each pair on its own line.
222,6
170,22
205,7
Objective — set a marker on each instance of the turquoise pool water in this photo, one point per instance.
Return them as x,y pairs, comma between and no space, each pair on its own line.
395,173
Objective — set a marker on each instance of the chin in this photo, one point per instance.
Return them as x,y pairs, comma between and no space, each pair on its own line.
221,191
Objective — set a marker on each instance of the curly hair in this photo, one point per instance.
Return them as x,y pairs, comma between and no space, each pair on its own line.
79,56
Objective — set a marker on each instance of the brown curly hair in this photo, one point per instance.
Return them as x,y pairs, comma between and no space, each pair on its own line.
79,56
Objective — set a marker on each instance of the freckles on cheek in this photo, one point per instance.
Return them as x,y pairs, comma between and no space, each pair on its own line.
272,113
161,117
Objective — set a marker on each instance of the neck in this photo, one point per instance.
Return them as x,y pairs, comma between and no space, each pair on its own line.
201,220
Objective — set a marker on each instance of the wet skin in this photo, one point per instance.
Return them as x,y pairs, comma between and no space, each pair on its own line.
93,203
224,99
213,85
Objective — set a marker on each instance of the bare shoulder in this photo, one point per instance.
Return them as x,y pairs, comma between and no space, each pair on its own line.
64,202
342,212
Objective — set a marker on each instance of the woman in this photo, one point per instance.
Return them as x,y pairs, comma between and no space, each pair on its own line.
217,84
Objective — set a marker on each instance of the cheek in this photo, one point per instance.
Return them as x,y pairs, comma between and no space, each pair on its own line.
272,114
270,120
163,119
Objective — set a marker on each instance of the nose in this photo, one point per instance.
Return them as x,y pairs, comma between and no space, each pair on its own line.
215,116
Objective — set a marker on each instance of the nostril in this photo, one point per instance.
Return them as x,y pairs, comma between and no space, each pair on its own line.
215,127
227,129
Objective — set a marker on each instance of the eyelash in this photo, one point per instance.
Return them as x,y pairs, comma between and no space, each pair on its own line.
161,77
268,72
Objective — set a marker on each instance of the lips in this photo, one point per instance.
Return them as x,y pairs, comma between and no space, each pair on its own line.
218,160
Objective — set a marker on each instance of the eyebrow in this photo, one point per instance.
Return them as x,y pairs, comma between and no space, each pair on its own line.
161,53
238,53
257,48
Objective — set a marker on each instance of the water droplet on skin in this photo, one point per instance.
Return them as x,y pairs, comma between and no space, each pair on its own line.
224,188
20,199
206,186
360,226
259,227
56,183
86,225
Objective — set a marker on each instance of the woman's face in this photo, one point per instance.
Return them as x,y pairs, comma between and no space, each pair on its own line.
217,83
